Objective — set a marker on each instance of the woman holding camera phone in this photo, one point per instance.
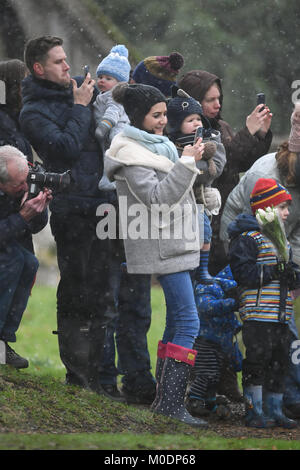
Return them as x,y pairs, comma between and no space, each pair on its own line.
150,175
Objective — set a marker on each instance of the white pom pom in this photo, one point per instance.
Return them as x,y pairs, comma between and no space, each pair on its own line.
120,49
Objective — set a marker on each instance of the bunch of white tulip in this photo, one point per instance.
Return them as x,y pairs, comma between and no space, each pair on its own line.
272,226
265,216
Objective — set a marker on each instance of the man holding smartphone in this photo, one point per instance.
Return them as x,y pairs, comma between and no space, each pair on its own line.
57,120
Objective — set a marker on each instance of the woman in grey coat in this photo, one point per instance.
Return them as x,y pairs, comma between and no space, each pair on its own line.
160,227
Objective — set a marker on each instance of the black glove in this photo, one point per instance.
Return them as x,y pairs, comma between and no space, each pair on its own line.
285,273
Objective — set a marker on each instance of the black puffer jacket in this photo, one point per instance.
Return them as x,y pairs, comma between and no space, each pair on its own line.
13,227
63,135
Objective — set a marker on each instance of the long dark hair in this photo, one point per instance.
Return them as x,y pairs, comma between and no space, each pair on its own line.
12,73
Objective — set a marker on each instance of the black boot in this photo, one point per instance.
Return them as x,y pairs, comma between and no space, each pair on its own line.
80,347
139,388
198,407
14,359
161,351
228,384
292,410
173,384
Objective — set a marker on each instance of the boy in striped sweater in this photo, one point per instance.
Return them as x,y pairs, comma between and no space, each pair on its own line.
255,267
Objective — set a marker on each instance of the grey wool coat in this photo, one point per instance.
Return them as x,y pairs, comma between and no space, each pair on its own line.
161,193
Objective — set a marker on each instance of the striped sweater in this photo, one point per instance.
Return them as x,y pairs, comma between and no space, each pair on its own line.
263,303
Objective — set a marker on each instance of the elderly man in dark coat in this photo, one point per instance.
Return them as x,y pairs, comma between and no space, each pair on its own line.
19,219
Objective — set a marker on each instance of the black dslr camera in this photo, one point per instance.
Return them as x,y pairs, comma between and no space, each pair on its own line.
38,179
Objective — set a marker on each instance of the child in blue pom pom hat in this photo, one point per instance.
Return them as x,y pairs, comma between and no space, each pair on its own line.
109,115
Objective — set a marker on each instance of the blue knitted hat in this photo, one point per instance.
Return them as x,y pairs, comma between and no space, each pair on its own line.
115,64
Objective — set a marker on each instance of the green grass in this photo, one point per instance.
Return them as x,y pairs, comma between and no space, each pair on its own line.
38,411
36,341
146,442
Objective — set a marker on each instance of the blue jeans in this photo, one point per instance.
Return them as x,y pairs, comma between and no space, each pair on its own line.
17,273
182,321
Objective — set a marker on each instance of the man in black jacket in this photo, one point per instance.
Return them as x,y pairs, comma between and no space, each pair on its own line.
19,218
57,120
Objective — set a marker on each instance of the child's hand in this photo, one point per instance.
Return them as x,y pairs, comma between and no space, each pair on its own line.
195,150
102,129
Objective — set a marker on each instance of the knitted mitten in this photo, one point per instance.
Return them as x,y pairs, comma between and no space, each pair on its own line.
103,128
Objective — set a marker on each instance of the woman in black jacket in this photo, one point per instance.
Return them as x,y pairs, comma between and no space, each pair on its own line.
12,73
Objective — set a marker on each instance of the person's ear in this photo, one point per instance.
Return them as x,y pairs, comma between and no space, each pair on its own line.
38,69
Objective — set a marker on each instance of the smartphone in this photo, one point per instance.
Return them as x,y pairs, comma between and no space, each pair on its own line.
198,134
261,99
86,69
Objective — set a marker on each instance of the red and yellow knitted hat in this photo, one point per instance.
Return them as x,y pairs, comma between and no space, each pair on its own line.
267,193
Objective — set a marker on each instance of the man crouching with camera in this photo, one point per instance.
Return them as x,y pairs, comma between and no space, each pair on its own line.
19,219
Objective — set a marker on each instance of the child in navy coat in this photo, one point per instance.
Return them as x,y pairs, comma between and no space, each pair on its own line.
265,306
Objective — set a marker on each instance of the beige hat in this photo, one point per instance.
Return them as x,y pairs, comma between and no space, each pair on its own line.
294,138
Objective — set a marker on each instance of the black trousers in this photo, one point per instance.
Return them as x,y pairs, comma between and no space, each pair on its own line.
267,354
85,302
133,298
84,290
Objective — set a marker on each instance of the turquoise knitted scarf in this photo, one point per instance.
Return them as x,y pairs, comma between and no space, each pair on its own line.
158,144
